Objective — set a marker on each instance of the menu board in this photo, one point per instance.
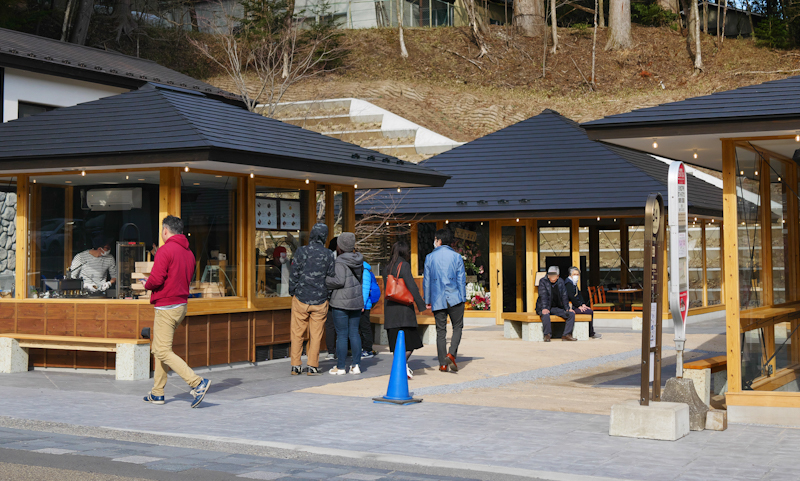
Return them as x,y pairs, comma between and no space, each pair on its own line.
290,215
266,214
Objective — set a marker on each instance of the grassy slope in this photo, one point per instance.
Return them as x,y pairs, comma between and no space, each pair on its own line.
449,95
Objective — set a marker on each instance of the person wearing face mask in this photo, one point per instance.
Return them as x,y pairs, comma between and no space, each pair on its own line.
576,299
96,266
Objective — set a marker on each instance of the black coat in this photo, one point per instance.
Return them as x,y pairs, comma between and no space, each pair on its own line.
574,295
400,315
545,300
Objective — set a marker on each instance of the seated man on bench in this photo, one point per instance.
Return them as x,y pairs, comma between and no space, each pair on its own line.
553,300
576,299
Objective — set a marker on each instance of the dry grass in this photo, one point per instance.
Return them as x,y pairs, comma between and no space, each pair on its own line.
449,95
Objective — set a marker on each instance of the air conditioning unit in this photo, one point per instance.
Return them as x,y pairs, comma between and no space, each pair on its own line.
114,199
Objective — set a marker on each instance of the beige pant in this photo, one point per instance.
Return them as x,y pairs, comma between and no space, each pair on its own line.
166,321
307,318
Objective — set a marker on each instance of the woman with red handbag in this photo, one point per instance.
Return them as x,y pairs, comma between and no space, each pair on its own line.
400,295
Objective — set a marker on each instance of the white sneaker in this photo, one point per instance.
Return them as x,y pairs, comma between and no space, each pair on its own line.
330,357
409,372
355,369
336,371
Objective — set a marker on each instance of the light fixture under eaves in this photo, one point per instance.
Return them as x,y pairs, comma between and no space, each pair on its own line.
655,144
186,169
695,153
252,175
307,181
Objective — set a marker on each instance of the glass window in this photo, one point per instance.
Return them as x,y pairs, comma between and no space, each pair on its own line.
610,260
209,214
26,109
636,255
8,236
748,195
471,240
695,240
713,264
426,233
555,245
340,211
75,219
779,209
375,240
282,225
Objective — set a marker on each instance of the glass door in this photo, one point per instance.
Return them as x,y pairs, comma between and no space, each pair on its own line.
513,272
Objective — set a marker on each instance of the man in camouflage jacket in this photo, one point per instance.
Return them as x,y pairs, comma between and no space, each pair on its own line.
310,266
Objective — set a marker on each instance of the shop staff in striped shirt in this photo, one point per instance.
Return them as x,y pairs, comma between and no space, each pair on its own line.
96,266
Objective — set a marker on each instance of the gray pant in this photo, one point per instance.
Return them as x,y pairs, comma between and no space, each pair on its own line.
456,314
557,311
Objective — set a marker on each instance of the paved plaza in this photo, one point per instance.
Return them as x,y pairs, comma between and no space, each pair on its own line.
498,418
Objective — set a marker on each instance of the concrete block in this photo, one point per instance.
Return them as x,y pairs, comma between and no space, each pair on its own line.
702,383
581,331
512,329
532,331
663,421
12,357
381,337
717,420
719,382
133,362
636,324
428,333
682,391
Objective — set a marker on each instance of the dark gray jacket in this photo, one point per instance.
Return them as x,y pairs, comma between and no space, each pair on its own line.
346,282
545,300
310,266
397,315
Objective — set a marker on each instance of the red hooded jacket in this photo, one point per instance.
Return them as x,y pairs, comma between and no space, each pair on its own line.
172,273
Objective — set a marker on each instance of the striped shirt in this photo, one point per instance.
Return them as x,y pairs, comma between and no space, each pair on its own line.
93,269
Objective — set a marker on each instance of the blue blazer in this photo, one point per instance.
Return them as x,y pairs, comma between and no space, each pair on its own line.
444,279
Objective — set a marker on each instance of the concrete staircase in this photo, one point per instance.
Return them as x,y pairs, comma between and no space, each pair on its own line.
367,125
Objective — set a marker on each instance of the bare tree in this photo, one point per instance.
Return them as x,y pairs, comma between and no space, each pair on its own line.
80,27
529,17
553,24
670,5
600,9
721,34
698,59
265,65
403,51
597,11
479,30
705,17
619,25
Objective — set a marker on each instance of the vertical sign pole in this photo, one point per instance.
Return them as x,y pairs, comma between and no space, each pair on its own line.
651,304
678,258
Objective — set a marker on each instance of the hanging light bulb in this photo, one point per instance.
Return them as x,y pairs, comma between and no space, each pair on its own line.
252,175
741,172
655,144
695,153
34,181
186,169
355,186
307,181
127,177
756,172
797,137
447,222
779,178
83,173
598,219
398,190
517,219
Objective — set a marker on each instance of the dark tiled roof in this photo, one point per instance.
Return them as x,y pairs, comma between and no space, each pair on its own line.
31,52
770,100
547,164
158,120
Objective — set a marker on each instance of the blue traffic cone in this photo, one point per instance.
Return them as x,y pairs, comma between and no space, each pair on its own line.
397,393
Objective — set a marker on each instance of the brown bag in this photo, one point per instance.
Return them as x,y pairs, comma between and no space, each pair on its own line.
396,290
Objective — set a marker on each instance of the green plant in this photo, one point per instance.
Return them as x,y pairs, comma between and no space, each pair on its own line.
652,15
772,32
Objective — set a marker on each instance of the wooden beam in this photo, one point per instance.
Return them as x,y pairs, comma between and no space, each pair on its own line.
624,253
594,255
793,255
247,240
329,212
765,220
21,281
575,243
68,194
731,266
778,380
34,228
495,268
519,259
531,254
705,277
413,236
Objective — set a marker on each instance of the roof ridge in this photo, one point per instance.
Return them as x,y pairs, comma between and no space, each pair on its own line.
148,87
614,149
77,45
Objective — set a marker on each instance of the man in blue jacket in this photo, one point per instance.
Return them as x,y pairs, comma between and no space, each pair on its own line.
445,285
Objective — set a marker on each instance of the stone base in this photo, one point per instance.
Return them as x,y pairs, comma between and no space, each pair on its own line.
133,362
663,421
581,331
717,420
683,391
380,336
12,357
702,383
428,333
534,331
636,324
512,330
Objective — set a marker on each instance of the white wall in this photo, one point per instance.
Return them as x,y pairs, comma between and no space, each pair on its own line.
20,85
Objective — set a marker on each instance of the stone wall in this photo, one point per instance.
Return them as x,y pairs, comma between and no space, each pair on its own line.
8,235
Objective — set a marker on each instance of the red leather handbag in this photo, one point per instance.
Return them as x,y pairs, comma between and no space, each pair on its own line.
396,290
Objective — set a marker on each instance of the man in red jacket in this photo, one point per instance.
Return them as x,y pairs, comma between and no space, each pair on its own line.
169,281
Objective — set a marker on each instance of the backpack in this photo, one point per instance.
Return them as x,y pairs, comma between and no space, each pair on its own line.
374,289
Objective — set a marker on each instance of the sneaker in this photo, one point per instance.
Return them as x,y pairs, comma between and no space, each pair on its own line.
366,354
355,369
336,371
330,357
314,371
409,372
153,399
200,392
296,370
597,335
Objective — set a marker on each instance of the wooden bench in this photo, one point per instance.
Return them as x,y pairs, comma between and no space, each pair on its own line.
528,326
133,355
426,325
710,376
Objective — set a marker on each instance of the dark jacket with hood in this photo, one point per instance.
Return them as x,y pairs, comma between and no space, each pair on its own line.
396,315
173,269
310,266
346,282
546,301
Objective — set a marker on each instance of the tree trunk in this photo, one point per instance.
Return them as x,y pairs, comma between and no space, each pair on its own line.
83,17
601,16
66,23
750,17
478,28
670,5
403,51
619,25
554,25
698,59
597,11
529,17
705,17
724,21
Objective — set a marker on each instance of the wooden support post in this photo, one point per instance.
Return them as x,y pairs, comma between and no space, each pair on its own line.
247,240
329,212
624,252
519,258
594,255
792,217
23,239
68,227
575,242
495,268
349,207
34,230
731,266
705,277
765,221
531,248
413,235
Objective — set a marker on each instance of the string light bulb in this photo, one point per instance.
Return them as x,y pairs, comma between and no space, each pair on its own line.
741,172
655,144
355,186
186,169
398,190
83,173
127,177
307,181
447,222
517,219
779,178
756,172
797,137
252,175
34,181
598,219
695,154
